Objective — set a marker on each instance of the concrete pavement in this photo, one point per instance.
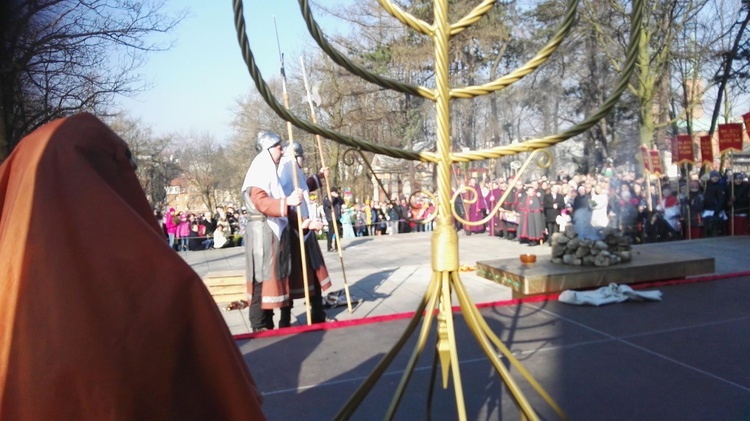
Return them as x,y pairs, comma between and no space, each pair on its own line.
681,358
390,273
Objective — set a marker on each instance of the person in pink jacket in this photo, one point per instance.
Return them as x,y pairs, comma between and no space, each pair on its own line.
183,232
169,223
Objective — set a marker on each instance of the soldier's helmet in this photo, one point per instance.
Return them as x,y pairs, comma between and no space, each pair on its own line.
298,151
266,140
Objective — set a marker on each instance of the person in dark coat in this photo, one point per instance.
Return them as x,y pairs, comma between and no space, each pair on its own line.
531,224
693,211
738,205
511,216
714,203
337,202
195,242
553,204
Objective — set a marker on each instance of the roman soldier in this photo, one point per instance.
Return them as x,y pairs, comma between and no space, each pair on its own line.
267,243
317,273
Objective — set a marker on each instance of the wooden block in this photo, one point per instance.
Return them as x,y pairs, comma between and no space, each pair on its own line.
226,286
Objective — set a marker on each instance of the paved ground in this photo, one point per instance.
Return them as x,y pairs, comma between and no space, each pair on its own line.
390,273
683,358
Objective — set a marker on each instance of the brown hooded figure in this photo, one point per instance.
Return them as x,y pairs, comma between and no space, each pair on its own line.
99,318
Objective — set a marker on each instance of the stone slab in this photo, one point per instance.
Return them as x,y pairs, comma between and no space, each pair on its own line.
545,277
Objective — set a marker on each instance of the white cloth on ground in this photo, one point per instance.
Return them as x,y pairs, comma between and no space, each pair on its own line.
607,295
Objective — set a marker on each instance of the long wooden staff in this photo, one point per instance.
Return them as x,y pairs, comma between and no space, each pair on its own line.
295,169
328,186
649,199
687,200
647,169
731,221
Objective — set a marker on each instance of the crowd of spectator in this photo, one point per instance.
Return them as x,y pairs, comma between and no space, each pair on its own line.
709,206
373,218
658,210
192,231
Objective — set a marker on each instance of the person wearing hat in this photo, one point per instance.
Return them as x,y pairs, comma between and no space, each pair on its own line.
291,167
738,203
170,222
670,205
553,203
714,202
267,242
693,210
335,202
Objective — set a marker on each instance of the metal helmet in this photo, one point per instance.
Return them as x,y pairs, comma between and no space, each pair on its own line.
298,151
266,140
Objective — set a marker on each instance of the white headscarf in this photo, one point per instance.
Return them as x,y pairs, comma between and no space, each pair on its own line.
262,174
288,169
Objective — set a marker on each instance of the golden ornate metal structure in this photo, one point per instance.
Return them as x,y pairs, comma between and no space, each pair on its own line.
445,264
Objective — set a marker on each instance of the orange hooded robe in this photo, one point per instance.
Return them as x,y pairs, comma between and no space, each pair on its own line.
99,318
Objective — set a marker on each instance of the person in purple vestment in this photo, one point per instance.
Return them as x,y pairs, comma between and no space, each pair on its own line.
494,195
532,219
476,209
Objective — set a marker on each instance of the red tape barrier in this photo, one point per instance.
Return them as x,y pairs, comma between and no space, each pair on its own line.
408,315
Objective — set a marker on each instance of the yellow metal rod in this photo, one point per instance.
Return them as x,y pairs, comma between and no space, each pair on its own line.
300,232
328,187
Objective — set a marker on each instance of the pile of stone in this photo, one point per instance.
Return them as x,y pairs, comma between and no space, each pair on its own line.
569,249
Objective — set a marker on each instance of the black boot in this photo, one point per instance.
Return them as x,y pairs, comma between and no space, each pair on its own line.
285,319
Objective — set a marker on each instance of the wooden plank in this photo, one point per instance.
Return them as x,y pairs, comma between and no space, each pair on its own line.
227,289
225,274
225,281
229,298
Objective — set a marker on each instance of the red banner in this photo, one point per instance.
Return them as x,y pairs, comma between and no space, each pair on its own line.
707,150
746,117
730,137
683,147
656,167
646,158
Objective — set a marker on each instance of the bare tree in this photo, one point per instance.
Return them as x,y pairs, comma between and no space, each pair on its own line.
59,57
728,72
155,168
204,165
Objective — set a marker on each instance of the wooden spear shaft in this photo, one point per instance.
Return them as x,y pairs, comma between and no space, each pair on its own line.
295,170
648,191
687,202
328,187
731,221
